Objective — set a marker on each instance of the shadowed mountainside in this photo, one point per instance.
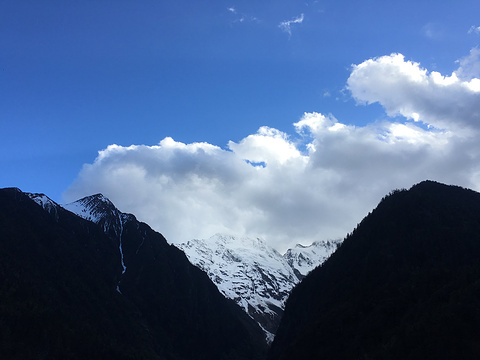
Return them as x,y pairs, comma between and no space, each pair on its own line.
64,292
404,285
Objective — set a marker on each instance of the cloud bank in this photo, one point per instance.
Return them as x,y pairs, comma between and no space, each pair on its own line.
316,183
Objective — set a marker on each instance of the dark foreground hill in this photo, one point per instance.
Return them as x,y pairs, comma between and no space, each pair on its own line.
65,293
404,285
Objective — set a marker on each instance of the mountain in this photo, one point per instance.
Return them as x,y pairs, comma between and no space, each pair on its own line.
107,287
248,271
100,210
255,275
303,259
405,284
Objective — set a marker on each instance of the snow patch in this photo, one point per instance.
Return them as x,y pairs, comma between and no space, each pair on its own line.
45,202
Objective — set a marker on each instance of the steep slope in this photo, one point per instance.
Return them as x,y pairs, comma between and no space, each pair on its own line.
100,210
156,278
404,285
112,288
57,294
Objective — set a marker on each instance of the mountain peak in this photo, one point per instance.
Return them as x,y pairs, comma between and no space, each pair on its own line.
303,258
98,197
44,201
13,188
300,246
94,208
253,274
238,242
247,271
39,198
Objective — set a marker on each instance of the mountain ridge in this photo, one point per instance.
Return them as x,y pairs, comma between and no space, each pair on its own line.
403,285
245,270
61,275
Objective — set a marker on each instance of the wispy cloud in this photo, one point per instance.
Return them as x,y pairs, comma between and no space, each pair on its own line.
287,24
241,17
474,30
469,66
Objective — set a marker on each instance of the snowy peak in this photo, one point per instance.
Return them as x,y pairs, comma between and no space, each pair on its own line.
255,275
304,259
240,249
93,208
45,202
248,271
100,210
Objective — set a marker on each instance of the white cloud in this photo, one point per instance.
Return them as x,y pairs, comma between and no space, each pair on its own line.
316,183
269,146
287,24
404,88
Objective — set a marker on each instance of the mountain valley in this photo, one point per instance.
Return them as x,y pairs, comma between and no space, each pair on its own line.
254,274
85,280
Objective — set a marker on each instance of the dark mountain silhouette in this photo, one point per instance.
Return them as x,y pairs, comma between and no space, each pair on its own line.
404,285
74,289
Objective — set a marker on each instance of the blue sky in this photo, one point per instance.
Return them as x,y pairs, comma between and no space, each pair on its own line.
78,76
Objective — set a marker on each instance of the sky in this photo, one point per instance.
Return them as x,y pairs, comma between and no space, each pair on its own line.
286,120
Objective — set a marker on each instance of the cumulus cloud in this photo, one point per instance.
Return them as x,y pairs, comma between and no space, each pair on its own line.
405,88
287,24
316,183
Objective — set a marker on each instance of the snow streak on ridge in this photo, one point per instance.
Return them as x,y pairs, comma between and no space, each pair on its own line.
100,210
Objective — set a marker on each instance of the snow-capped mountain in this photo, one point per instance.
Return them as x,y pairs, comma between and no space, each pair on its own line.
304,259
45,202
253,274
96,208
166,299
100,210
248,271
